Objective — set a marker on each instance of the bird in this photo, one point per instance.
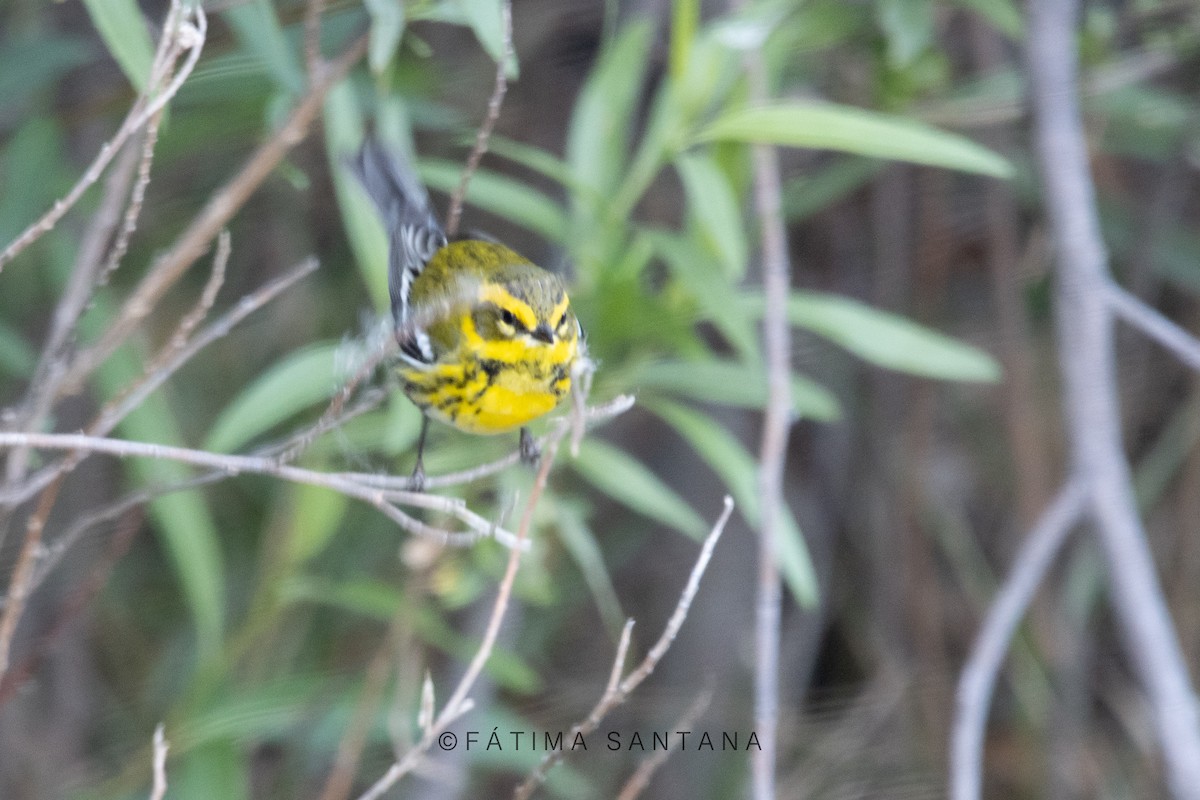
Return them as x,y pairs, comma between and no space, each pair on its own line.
487,339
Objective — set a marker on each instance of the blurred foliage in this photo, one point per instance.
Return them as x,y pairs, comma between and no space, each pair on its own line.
248,623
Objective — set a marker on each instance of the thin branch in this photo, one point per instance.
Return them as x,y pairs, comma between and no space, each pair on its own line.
777,422
215,215
312,39
116,410
235,465
1088,365
1184,345
454,214
179,339
640,778
617,692
457,704
186,36
161,746
618,665
978,679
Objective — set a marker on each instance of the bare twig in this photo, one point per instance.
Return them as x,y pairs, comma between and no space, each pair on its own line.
133,396
640,778
161,746
456,705
186,36
1088,366
1184,345
215,215
179,339
978,679
454,214
777,422
312,39
234,465
617,692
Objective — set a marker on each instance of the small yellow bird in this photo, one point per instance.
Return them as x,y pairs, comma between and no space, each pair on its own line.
487,338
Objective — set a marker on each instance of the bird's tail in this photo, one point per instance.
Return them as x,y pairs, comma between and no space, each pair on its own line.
414,233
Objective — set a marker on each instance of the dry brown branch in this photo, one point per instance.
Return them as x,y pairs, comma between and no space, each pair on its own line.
454,214
458,704
215,215
384,500
640,778
312,40
186,35
132,397
618,691
179,339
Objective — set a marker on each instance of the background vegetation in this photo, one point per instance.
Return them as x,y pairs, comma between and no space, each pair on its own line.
254,617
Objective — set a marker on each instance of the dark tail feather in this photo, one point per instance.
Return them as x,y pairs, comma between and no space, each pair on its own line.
414,233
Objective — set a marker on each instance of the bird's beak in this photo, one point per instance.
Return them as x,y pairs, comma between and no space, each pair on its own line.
543,333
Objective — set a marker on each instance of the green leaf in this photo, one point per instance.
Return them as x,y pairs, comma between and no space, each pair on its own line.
123,29
711,289
257,29
716,211
487,21
826,126
685,20
217,769
315,516
733,384
888,340
302,379
630,483
502,196
598,139
726,456
387,26
808,194
908,28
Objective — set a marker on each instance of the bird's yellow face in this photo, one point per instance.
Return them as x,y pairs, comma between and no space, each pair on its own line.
505,350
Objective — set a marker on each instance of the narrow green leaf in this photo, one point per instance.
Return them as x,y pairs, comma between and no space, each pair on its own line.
598,139
908,28
301,379
808,194
726,456
888,340
826,126
216,769
715,210
711,289
685,20
486,19
315,516
258,32
29,63
630,483
502,196
733,384
387,26
123,29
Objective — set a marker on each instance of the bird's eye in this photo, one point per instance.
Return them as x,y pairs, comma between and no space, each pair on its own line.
508,318
561,321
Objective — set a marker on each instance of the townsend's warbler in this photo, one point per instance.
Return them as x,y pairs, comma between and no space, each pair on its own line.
487,338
